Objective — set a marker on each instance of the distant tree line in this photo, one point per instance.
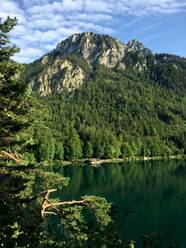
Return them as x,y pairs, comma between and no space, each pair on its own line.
117,114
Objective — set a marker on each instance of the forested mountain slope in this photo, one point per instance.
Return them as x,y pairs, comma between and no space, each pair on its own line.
107,99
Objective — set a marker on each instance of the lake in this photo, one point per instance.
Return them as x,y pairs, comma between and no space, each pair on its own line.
150,196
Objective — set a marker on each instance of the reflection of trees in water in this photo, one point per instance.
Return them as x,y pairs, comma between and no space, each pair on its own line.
132,176
152,192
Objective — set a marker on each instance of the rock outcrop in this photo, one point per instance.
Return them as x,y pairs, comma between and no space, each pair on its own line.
64,67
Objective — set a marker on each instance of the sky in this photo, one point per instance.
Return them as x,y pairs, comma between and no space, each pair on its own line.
159,24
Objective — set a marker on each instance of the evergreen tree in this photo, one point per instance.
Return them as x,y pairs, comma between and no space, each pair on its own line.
73,146
59,151
45,147
24,190
126,150
99,147
13,99
88,150
109,151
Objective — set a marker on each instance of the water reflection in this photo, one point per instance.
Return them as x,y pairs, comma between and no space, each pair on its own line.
151,196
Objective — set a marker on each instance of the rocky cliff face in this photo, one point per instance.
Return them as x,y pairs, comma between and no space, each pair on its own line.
56,76
93,48
63,67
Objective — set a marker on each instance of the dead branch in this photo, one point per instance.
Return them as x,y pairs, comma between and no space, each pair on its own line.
47,204
72,203
52,213
11,155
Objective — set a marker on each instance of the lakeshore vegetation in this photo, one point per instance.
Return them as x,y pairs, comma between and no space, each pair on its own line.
118,114
115,113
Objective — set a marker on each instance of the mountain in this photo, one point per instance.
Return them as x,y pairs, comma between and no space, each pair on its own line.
109,99
66,66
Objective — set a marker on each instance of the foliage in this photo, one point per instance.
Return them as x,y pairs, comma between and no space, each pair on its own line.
14,104
21,193
88,150
45,145
59,151
135,111
119,114
22,188
73,148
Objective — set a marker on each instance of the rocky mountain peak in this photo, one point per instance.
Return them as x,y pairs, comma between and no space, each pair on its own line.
65,67
137,46
94,48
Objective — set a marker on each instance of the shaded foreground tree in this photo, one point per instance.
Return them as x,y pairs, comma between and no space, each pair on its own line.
24,189
26,209
14,103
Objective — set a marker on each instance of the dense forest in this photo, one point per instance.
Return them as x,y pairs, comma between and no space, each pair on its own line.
134,110
119,113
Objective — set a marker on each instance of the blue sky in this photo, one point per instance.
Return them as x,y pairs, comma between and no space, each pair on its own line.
159,24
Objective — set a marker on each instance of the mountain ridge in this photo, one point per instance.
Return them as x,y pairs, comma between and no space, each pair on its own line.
68,66
132,104
92,49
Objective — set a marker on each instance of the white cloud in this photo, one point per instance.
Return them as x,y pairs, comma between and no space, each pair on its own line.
19,30
45,8
28,54
31,52
50,47
72,5
44,37
43,23
147,7
9,6
99,6
94,17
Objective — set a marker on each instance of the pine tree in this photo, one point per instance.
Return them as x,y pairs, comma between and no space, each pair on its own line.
88,150
73,146
24,190
13,100
59,151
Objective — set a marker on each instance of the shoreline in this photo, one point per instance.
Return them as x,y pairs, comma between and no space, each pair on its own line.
94,162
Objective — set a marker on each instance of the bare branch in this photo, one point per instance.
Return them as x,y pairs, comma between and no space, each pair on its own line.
52,213
72,203
12,156
46,203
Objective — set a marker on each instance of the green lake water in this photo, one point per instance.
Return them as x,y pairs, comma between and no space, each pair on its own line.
150,196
